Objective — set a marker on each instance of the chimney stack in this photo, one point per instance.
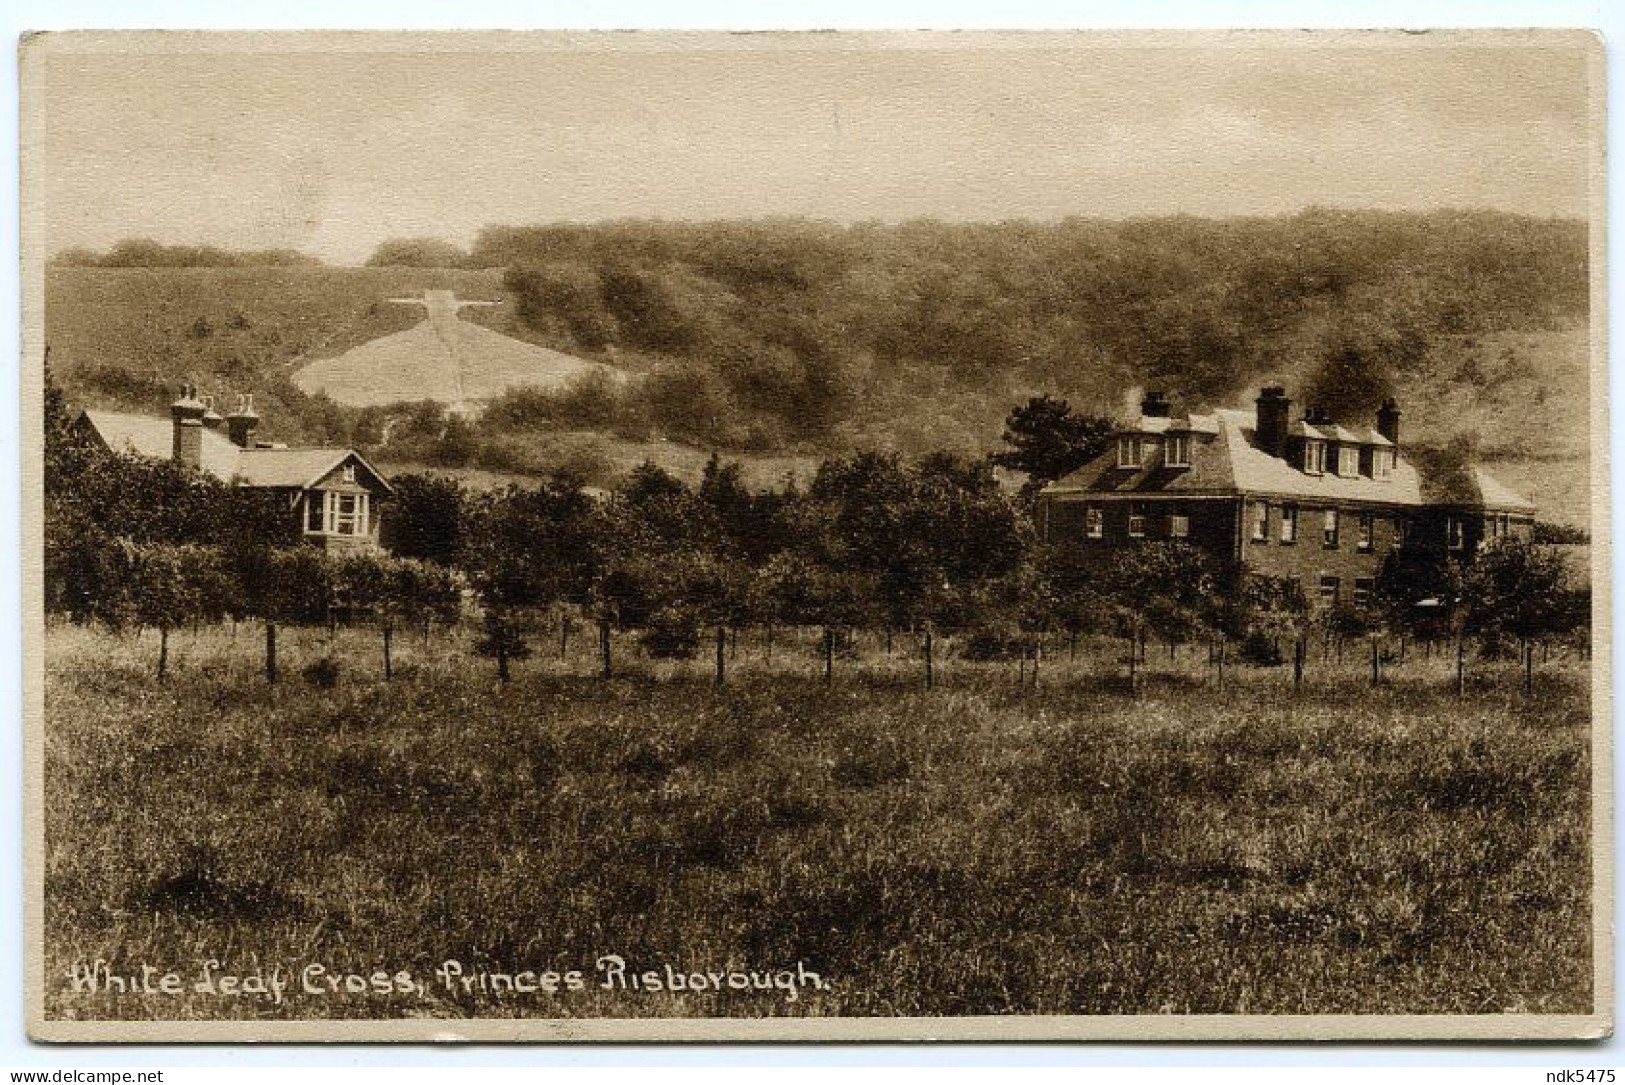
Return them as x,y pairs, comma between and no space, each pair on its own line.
1273,408
1388,420
242,421
187,414
1154,405
211,419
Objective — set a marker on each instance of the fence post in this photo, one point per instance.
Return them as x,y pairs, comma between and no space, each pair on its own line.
1461,665
722,645
163,652
603,646
1300,648
829,655
1528,668
270,650
930,671
1376,666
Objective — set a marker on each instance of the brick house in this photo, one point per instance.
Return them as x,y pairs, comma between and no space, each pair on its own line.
334,493
1308,500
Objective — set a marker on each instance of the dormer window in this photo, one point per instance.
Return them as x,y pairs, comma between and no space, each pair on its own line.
1314,457
349,473
1129,449
1382,464
1348,460
1177,451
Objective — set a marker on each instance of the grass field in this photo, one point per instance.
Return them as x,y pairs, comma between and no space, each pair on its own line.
981,847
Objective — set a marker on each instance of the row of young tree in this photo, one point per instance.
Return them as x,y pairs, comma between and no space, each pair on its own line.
917,550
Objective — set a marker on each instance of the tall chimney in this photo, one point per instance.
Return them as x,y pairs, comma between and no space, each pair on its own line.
1273,408
1154,405
242,421
187,415
1388,420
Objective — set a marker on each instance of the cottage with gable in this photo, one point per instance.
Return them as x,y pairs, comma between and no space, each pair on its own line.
1307,500
333,493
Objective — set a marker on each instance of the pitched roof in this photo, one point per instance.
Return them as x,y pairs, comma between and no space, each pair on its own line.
154,438
1256,471
1450,479
1232,463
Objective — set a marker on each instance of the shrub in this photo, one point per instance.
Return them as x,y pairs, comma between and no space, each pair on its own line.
322,673
672,634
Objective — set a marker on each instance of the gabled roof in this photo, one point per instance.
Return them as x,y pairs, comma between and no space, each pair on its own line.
278,468
154,438
295,468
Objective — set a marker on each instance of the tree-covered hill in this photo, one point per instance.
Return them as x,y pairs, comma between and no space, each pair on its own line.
797,336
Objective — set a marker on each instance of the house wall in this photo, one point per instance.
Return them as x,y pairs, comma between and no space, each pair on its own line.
1309,558
1212,521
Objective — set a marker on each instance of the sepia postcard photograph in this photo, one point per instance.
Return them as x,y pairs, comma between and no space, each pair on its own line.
841,536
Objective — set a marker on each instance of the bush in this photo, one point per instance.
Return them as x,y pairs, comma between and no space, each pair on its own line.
1258,650
322,673
672,634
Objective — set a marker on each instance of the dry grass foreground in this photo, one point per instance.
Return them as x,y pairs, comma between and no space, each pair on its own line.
979,848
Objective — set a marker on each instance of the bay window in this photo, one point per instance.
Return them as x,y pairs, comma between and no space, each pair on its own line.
329,512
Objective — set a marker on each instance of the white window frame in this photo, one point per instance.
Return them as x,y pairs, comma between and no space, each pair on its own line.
1455,532
1130,451
1289,524
1094,522
1331,529
1176,451
349,473
1261,522
1335,583
1314,457
354,524
1179,525
1348,461
1136,522
1365,532
1362,595
1382,464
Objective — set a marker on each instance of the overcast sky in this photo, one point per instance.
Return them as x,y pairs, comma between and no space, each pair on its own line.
331,152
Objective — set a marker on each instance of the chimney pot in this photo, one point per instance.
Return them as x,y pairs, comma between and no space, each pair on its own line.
242,421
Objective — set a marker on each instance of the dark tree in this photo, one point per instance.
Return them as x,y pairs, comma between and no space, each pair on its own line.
1047,441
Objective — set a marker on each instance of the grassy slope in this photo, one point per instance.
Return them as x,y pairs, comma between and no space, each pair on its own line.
969,850
1521,396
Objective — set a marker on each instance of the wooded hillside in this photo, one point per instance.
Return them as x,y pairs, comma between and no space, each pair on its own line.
801,336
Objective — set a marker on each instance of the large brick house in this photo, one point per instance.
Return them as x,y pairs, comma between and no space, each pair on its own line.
1304,499
334,494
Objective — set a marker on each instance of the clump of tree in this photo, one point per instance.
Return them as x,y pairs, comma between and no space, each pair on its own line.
142,252
418,252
